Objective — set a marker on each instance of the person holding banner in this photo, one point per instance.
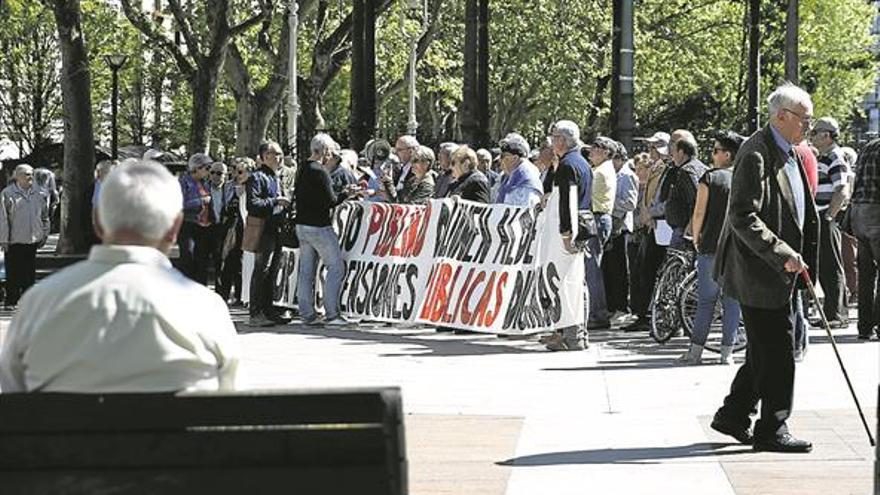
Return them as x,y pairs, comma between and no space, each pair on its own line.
572,171
315,200
521,183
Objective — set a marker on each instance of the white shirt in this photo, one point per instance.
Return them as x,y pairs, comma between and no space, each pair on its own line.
123,320
403,173
797,189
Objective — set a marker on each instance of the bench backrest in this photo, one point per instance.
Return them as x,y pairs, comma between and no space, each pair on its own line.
281,441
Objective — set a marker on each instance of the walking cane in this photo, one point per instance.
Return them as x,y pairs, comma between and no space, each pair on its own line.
812,291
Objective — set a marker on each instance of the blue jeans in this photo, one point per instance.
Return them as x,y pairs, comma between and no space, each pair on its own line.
595,282
315,242
708,293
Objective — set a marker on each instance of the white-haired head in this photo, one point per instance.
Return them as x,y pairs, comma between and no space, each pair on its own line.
24,176
569,131
141,200
197,161
322,144
787,97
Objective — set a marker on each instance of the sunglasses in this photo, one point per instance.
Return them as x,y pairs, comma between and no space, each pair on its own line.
217,172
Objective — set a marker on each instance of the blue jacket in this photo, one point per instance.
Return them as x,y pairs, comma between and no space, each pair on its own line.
192,200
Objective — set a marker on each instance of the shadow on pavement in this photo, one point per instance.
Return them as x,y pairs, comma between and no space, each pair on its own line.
423,343
646,455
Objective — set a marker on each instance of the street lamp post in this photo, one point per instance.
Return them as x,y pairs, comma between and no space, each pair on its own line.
292,96
115,62
412,124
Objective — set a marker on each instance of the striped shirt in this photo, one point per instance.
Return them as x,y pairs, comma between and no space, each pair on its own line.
833,174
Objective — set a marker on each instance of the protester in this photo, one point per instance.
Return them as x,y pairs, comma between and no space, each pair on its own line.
865,226
194,240
470,183
315,200
444,176
710,208
381,168
831,199
521,183
123,320
265,206
768,240
102,169
24,227
405,147
571,171
649,255
615,261
232,219
420,189
604,188
680,188
341,177
484,164
45,179
546,163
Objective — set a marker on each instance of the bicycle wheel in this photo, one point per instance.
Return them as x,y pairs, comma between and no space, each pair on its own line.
687,307
664,312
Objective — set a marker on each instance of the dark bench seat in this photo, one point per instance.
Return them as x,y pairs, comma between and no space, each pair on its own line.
281,441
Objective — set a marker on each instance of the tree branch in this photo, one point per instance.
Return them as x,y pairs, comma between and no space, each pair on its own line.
265,10
185,28
422,45
140,22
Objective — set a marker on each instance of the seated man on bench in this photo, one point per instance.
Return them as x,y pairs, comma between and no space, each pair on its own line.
123,320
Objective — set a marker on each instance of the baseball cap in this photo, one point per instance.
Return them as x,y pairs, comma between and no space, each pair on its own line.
828,124
660,140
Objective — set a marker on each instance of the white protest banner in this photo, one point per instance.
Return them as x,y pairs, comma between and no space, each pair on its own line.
486,268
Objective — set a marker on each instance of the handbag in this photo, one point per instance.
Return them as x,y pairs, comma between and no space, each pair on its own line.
287,231
253,230
586,228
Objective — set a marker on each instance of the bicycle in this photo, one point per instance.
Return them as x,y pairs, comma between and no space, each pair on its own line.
674,303
665,313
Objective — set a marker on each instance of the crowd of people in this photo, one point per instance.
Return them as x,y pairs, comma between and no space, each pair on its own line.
769,209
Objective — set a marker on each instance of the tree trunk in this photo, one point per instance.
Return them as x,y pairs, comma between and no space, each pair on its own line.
204,92
482,136
252,123
362,125
310,118
79,150
470,79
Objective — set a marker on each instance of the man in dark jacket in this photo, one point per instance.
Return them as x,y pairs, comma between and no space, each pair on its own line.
682,192
768,240
265,202
469,183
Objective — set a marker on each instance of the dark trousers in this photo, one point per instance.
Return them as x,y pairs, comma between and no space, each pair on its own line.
194,243
615,271
650,257
849,255
266,262
21,270
869,285
767,375
831,274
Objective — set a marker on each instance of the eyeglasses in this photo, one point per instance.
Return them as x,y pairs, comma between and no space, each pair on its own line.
814,132
806,120
718,150
217,172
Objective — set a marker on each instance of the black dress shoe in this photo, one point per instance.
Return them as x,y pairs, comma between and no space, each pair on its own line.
729,428
782,443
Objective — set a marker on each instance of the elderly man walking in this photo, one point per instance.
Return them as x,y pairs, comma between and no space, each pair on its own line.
124,320
768,240
24,227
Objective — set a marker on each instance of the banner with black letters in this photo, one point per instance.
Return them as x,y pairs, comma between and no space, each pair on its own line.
455,263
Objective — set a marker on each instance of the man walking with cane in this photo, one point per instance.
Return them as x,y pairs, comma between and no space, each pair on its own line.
769,238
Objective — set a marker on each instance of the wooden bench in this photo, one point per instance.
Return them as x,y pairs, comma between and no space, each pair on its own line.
336,441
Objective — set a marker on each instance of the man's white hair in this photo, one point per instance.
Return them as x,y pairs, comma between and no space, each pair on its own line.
570,131
408,141
448,148
787,96
321,143
142,198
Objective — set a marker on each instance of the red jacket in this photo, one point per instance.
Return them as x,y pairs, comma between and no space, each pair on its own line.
811,165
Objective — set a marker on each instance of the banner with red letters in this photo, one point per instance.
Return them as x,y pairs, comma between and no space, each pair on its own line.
454,263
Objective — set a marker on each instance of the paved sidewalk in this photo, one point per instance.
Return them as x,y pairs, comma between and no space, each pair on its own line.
492,416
